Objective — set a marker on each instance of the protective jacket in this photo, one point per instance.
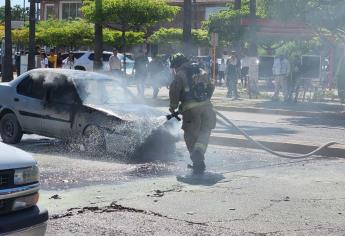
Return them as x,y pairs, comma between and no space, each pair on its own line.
190,88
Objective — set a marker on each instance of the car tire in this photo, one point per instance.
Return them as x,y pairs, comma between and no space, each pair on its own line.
11,131
94,140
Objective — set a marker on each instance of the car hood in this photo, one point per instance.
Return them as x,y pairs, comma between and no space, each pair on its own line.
14,158
129,112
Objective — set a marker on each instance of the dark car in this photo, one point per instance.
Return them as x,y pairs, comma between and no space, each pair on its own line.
84,107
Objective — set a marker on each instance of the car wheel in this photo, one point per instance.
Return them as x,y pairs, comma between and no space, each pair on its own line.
10,129
94,140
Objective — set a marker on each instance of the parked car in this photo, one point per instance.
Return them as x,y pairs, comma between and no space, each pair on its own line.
19,185
84,61
85,107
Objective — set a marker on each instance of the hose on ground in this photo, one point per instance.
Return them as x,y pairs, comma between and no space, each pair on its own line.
229,124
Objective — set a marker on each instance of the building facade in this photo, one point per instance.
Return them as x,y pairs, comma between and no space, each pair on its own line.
60,9
70,9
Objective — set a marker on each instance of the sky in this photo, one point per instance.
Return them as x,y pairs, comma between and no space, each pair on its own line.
15,2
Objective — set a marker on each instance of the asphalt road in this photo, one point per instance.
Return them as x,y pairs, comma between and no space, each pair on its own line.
244,192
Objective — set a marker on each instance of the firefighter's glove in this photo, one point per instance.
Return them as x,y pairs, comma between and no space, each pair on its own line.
172,110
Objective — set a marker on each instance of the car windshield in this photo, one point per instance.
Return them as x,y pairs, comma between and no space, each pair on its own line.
101,90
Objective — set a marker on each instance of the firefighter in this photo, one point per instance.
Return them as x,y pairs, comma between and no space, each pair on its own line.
190,94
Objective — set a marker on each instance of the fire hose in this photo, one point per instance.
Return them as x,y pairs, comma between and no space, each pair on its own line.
229,124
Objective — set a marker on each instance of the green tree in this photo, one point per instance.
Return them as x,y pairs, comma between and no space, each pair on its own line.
21,36
127,15
7,63
170,39
73,34
114,38
65,33
17,12
325,17
2,14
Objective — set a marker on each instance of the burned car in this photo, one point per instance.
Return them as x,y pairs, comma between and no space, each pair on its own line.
88,108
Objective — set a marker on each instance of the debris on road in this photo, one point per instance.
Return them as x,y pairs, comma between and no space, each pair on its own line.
56,197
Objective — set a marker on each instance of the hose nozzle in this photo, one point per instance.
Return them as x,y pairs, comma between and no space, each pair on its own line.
174,115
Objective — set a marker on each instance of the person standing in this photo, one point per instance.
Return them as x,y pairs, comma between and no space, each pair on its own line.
44,60
231,73
155,69
296,67
244,71
115,64
17,60
286,74
281,72
52,58
221,74
59,62
190,94
140,72
69,62
276,71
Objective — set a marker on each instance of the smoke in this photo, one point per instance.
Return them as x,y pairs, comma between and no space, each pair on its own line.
134,129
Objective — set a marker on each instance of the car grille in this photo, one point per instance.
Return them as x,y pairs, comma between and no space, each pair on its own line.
6,179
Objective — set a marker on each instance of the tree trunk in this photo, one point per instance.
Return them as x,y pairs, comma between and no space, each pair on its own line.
97,62
237,6
7,66
32,25
187,26
253,49
123,38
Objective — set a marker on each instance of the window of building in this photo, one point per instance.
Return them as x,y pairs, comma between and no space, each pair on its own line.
213,10
70,10
49,11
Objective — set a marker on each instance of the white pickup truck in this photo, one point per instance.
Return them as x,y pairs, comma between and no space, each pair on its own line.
19,186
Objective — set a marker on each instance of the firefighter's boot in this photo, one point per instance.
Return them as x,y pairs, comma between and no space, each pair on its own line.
198,163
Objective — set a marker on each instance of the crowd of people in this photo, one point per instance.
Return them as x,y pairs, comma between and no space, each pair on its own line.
54,59
230,71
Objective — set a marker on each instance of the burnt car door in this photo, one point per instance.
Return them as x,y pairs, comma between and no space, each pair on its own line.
62,102
29,100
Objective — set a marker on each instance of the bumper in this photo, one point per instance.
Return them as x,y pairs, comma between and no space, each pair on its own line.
32,221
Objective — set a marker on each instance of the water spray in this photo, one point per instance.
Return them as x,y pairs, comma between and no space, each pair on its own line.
229,124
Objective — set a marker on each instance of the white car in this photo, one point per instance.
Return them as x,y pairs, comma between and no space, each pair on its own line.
19,186
84,61
84,107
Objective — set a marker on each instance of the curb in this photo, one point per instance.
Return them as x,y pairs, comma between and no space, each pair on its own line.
336,152
338,115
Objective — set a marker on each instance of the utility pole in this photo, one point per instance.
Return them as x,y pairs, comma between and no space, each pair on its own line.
187,25
7,73
97,63
32,39
253,49
237,7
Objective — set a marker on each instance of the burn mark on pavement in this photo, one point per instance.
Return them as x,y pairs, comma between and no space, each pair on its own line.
161,193
114,207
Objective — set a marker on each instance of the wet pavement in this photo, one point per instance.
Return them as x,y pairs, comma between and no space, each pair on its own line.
62,167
